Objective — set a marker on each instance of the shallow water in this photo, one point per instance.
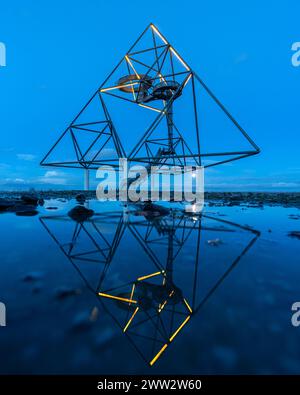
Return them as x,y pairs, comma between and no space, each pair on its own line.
179,294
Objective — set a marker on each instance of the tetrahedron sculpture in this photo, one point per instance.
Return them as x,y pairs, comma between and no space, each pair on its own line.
155,110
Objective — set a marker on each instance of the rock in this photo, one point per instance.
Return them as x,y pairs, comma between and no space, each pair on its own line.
7,203
294,216
30,199
63,293
22,207
295,234
80,213
19,206
214,242
32,277
155,209
26,213
80,198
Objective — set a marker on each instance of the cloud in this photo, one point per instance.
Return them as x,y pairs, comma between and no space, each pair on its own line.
13,181
27,157
253,183
285,185
53,177
51,173
52,180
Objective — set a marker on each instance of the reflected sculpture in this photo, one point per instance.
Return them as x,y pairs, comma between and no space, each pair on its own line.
154,273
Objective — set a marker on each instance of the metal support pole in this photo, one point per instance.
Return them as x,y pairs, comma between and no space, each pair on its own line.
86,180
169,117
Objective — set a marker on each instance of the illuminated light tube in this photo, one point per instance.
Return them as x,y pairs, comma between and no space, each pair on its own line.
161,306
189,77
162,77
118,87
132,291
179,329
117,298
179,58
129,61
188,306
133,94
158,354
150,108
131,318
149,276
159,34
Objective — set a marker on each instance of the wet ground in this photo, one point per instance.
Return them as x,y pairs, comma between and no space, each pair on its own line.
125,292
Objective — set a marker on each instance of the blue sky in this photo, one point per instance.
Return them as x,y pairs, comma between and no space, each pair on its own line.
59,52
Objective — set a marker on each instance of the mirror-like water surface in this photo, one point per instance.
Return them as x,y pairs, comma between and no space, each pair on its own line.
122,292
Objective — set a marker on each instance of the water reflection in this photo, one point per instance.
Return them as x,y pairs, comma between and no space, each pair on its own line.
151,274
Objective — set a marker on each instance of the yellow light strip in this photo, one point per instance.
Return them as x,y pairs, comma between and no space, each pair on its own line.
117,298
187,305
132,291
133,93
159,34
149,275
149,108
179,58
131,318
161,306
179,329
118,87
162,78
158,354
130,63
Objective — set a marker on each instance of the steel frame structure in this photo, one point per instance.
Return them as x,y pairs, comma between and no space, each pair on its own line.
137,83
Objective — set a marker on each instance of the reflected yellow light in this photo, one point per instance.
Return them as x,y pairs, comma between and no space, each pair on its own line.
188,306
159,34
149,276
158,354
179,329
179,58
119,86
150,108
131,65
161,306
117,298
131,318
132,291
